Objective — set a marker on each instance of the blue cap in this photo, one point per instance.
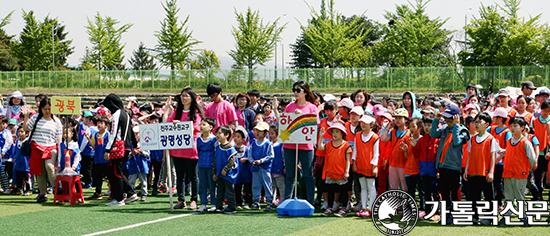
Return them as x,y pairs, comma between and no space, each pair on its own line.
544,90
450,111
87,113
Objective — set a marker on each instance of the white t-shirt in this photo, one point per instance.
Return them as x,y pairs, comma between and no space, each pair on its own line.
47,132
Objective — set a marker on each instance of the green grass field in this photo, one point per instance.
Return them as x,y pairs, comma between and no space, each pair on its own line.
20,215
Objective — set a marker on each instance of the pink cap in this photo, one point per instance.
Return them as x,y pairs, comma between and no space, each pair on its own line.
367,119
357,110
378,110
500,112
337,126
346,102
387,116
470,107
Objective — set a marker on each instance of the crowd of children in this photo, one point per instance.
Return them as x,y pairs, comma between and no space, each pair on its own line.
484,146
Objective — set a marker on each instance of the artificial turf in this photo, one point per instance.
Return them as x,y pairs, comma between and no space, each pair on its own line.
20,215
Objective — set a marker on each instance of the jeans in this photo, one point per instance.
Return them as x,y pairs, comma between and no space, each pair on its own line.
206,181
306,160
261,178
186,167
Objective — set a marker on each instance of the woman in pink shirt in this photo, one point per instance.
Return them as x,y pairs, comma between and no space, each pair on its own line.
186,160
303,104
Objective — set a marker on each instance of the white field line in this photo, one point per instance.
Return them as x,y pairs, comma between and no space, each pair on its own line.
140,224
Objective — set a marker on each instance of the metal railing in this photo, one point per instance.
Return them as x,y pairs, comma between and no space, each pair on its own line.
372,79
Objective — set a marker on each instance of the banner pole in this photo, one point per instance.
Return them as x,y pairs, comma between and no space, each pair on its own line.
169,174
296,174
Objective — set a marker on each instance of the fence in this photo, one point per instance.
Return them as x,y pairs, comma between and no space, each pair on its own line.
372,79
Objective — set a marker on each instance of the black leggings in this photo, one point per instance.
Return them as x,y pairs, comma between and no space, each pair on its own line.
247,193
336,188
119,182
157,166
22,181
99,171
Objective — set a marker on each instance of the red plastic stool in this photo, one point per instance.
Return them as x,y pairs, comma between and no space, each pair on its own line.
69,189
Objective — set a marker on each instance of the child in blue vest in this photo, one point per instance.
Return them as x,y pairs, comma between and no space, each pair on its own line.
21,165
206,147
261,154
244,179
87,125
71,149
98,141
225,170
278,165
138,167
156,159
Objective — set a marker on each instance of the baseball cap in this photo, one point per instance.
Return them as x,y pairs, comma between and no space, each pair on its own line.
429,109
378,110
262,126
243,130
500,112
450,111
337,126
503,92
367,119
544,91
346,102
443,102
12,122
87,113
470,107
529,85
329,97
401,112
357,110
387,116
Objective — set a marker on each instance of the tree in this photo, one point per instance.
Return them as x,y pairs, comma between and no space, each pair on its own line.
330,38
207,62
254,41
106,52
411,38
35,48
141,59
175,43
496,39
8,61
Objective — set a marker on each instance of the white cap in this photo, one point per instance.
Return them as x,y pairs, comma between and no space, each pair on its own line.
329,97
367,119
347,103
357,110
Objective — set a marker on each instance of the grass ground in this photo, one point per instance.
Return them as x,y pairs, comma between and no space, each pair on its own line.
20,215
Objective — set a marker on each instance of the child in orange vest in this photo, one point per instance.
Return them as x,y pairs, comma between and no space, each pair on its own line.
337,166
519,159
542,127
398,136
412,166
480,164
331,110
383,119
365,160
502,135
354,127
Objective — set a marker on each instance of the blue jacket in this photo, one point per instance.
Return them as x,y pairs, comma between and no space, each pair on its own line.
206,149
139,163
100,144
73,152
222,159
248,115
156,155
261,151
278,161
20,162
87,150
453,157
416,113
245,174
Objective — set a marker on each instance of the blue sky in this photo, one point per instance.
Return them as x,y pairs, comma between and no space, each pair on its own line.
211,20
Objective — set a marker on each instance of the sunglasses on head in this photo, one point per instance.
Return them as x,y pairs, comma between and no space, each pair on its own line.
297,90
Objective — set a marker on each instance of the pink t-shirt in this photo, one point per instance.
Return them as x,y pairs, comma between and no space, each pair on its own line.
240,117
187,153
223,112
308,108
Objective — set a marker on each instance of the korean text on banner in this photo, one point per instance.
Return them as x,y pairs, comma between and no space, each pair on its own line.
166,136
298,128
65,105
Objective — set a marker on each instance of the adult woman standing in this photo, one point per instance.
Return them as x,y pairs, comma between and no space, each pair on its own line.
47,135
186,160
245,115
121,129
303,104
362,98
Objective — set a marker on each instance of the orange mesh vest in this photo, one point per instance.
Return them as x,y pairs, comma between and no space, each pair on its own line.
397,157
327,136
516,162
501,137
335,161
540,133
480,157
365,153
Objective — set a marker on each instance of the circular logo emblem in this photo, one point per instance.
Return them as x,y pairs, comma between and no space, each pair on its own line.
394,212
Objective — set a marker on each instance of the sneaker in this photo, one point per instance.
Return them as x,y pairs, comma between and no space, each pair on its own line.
229,211
256,206
203,208
193,205
42,198
435,217
95,197
1,190
143,198
108,193
116,203
262,200
269,207
358,207
367,213
349,206
27,193
18,192
342,212
155,192
164,189
421,214
180,205
218,210
485,222
50,191
8,191
328,212
360,212
246,206
336,206
174,190
212,209
132,198
239,207
324,206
